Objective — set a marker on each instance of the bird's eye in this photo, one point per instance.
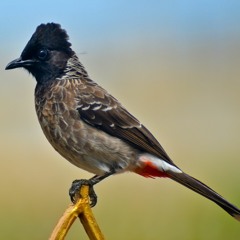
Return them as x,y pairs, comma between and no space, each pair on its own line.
42,54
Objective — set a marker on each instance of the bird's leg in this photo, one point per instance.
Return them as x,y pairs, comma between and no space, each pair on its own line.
77,184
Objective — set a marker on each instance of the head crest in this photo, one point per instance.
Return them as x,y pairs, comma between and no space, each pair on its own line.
50,36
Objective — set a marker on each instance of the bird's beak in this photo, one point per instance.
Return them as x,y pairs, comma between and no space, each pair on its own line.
19,63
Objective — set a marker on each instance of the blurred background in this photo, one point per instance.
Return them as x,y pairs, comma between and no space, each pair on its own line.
175,66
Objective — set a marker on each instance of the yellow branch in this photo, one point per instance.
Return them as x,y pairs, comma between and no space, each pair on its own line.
82,210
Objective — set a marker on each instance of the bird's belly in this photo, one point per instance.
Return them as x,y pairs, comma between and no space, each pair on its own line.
86,147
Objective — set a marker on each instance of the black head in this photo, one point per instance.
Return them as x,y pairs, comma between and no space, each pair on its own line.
46,54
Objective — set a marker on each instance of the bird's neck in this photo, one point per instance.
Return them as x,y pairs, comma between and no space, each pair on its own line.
74,68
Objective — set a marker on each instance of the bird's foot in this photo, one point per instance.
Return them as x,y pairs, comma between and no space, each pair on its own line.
74,190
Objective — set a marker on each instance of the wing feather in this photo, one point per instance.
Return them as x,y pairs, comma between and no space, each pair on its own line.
104,112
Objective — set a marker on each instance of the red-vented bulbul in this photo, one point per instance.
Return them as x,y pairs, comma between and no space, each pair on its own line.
88,126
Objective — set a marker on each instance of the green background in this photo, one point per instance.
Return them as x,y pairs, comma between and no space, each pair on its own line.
175,66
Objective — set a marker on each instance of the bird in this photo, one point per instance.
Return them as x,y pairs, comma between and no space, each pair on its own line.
88,126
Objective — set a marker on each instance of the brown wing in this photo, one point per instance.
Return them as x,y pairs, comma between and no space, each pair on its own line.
101,110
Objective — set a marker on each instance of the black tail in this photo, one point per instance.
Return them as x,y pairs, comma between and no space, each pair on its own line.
205,191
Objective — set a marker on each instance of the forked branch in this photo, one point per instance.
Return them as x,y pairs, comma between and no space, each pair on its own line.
82,210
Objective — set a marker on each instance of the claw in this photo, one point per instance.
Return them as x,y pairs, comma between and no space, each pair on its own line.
74,191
